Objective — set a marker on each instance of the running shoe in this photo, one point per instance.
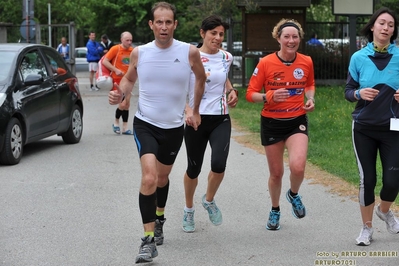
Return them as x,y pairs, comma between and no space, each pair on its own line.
365,237
158,231
390,219
298,209
188,222
215,215
94,88
147,250
274,221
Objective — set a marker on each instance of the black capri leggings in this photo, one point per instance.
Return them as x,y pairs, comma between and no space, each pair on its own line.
367,141
217,130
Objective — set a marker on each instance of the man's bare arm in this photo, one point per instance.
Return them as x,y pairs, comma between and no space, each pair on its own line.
129,79
127,82
200,77
107,64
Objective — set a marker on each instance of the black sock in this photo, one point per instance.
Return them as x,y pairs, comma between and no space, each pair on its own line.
162,195
148,206
276,208
161,218
293,194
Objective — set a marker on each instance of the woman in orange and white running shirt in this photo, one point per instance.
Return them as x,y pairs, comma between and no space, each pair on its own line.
281,81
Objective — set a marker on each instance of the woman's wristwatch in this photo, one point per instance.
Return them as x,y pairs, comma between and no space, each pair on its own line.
236,91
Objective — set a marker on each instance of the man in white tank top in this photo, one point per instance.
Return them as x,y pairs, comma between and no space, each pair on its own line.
164,68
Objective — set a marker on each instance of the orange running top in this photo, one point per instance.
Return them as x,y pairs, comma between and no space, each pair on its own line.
120,58
271,74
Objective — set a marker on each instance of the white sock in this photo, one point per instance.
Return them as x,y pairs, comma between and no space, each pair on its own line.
189,209
208,202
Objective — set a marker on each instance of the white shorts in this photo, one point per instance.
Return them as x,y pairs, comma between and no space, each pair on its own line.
93,66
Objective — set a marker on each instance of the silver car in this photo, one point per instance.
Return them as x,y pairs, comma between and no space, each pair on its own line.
81,63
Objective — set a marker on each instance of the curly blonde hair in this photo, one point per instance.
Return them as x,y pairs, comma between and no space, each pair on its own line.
276,33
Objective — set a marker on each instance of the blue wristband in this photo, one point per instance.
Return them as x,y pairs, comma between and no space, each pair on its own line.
357,93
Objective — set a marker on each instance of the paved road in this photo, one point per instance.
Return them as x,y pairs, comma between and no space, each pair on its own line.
78,205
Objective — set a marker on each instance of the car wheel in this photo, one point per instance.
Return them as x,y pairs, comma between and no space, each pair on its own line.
13,143
75,130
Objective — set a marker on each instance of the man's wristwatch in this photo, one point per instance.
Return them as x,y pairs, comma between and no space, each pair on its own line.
264,98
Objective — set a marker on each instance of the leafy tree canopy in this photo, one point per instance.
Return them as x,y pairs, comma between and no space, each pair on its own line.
115,16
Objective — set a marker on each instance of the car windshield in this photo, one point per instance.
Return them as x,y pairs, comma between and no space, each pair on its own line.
81,52
7,58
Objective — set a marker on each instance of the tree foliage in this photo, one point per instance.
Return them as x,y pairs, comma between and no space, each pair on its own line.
115,16
320,11
391,4
12,11
191,16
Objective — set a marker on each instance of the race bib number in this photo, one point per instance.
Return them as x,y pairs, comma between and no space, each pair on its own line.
394,124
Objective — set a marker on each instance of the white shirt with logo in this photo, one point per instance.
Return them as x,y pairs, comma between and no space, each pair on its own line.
164,76
214,100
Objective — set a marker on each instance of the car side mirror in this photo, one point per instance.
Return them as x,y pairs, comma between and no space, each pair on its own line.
33,79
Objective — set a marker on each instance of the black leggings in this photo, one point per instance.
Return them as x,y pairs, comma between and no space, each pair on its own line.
217,130
367,142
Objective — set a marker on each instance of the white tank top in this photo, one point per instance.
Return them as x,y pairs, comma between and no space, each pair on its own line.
164,77
216,67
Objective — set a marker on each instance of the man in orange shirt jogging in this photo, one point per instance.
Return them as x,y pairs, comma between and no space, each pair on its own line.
117,60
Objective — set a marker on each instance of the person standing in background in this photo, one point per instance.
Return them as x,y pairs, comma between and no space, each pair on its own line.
281,81
163,69
215,125
117,61
63,48
314,41
94,53
106,43
373,82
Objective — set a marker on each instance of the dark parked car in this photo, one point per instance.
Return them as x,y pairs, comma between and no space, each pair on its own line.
39,97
